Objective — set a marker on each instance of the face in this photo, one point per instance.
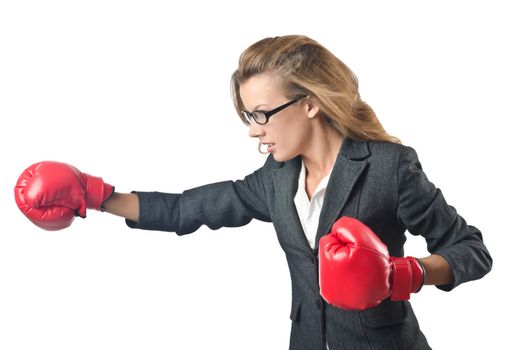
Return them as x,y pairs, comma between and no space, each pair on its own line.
288,130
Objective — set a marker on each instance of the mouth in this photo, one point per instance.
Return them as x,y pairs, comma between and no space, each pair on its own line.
269,147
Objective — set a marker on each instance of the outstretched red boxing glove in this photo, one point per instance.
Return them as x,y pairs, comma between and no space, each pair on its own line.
51,194
356,271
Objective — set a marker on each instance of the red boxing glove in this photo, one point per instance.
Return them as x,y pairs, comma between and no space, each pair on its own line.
356,271
51,194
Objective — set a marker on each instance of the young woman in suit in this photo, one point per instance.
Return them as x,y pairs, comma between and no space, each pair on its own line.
339,190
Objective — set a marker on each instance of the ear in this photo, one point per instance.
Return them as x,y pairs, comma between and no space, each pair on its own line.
312,110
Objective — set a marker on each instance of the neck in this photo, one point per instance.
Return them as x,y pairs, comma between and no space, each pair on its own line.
321,153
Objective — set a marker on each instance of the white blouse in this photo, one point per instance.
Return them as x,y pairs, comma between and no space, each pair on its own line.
310,210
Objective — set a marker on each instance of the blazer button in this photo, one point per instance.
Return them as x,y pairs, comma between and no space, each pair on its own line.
319,304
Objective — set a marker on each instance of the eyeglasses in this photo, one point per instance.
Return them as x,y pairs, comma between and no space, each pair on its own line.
262,117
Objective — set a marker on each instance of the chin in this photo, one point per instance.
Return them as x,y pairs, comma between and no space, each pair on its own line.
277,157
281,158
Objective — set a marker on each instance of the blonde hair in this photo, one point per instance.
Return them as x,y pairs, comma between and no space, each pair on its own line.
309,69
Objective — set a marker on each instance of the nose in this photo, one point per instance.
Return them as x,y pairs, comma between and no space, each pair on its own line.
255,130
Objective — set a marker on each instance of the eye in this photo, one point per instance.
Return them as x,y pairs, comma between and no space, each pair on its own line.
259,117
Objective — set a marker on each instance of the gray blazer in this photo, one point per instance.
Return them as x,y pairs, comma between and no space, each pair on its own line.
380,183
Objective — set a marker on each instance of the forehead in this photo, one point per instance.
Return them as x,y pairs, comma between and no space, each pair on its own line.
261,89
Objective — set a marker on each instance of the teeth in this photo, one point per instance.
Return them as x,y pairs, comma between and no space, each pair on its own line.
264,151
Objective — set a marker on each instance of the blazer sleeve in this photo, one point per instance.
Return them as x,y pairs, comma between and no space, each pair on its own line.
423,210
221,204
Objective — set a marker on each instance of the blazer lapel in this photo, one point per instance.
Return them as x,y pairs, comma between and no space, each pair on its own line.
350,164
286,181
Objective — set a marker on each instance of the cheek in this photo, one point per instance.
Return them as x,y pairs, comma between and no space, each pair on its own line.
292,135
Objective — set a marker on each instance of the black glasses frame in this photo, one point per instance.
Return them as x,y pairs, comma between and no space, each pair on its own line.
269,114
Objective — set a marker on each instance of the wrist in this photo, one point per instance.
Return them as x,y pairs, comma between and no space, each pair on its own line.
438,270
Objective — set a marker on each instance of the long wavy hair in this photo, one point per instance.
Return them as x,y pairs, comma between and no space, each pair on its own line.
309,69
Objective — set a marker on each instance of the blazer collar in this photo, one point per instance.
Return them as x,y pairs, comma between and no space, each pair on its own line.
350,163
354,149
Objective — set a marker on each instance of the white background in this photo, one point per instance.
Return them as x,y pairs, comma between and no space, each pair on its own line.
138,92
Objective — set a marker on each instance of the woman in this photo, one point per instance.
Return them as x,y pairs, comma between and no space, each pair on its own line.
329,158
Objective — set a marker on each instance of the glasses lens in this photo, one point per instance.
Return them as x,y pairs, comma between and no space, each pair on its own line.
260,118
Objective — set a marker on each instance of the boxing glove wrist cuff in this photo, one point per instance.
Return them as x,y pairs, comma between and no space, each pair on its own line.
408,276
401,279
97,192
109,191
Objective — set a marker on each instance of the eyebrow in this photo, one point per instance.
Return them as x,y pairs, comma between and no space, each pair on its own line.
260,105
